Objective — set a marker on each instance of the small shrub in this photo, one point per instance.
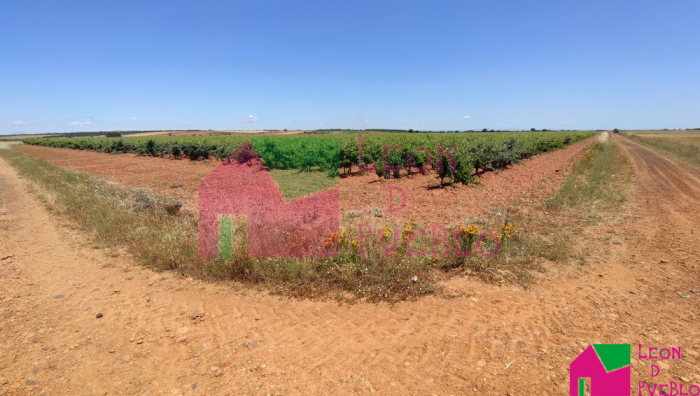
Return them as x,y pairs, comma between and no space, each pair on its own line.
244,153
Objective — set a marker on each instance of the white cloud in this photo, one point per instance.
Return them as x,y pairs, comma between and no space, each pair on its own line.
86,121
134,118
365,122
414,123
252,118
467,117
18,122
320,124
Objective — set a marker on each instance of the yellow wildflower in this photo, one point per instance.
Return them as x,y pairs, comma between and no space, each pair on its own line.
471,230
387,232
508,230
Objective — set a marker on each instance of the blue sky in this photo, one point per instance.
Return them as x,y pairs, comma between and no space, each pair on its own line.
427,65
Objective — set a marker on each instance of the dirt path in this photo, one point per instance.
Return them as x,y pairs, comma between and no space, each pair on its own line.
164,334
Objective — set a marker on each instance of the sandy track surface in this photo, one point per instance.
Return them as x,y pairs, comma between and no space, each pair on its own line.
164,334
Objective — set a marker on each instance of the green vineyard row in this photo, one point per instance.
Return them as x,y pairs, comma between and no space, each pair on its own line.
457,155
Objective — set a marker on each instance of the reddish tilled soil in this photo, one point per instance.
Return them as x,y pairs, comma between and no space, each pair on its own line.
529,182
160,175
276,228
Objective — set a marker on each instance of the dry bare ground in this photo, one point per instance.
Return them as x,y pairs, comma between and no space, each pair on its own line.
163,334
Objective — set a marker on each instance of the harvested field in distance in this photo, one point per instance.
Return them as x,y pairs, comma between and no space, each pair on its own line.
684,145
215,132
21,137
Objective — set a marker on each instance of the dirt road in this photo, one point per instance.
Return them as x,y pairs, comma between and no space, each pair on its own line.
163,334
